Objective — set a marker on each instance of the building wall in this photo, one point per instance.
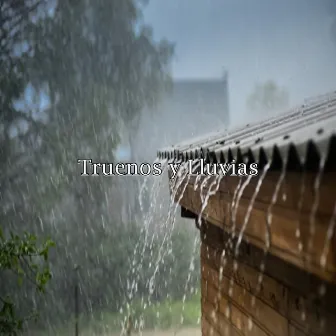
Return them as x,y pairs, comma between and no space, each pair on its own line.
285,304
191,108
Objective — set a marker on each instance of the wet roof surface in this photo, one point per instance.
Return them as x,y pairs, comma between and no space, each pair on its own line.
298,138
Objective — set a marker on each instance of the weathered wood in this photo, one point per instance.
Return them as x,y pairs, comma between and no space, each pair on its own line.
289,301
242,322
290,304
271,293
261,315
207,328
225,308
276,309
294,331
294,188
285,223
216,321
216,240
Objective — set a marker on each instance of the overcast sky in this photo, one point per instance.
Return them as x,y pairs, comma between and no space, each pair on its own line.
285,40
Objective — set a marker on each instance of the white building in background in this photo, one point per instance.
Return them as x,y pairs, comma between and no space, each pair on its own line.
193,107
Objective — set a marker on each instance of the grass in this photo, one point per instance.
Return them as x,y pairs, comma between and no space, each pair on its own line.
163,316
167,314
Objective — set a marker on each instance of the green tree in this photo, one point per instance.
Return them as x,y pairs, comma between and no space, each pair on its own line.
331,8
98,63
20,256
268,97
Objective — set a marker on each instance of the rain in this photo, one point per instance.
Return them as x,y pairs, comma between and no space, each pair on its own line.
124,128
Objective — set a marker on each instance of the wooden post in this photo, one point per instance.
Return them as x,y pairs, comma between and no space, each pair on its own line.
76,301
129,326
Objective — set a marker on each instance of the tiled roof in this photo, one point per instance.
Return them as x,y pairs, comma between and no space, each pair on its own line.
301,138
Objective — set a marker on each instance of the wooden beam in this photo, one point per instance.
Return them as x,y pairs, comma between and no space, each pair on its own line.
185,213
289,217
294,188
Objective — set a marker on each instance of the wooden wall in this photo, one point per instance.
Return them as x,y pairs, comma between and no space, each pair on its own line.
298,293
290,302
299,208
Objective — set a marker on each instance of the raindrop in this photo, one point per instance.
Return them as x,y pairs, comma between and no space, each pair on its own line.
250,324
322,290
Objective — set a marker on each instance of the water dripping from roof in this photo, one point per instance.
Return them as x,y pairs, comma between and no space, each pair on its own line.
312,216
328,238
269,217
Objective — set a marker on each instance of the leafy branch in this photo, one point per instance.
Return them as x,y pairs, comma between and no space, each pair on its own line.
27,260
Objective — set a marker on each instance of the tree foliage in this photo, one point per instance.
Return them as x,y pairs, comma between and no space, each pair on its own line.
268,97
332,11
95,63
21,256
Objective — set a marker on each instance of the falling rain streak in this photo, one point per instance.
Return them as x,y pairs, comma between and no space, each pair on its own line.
207,186
208,235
